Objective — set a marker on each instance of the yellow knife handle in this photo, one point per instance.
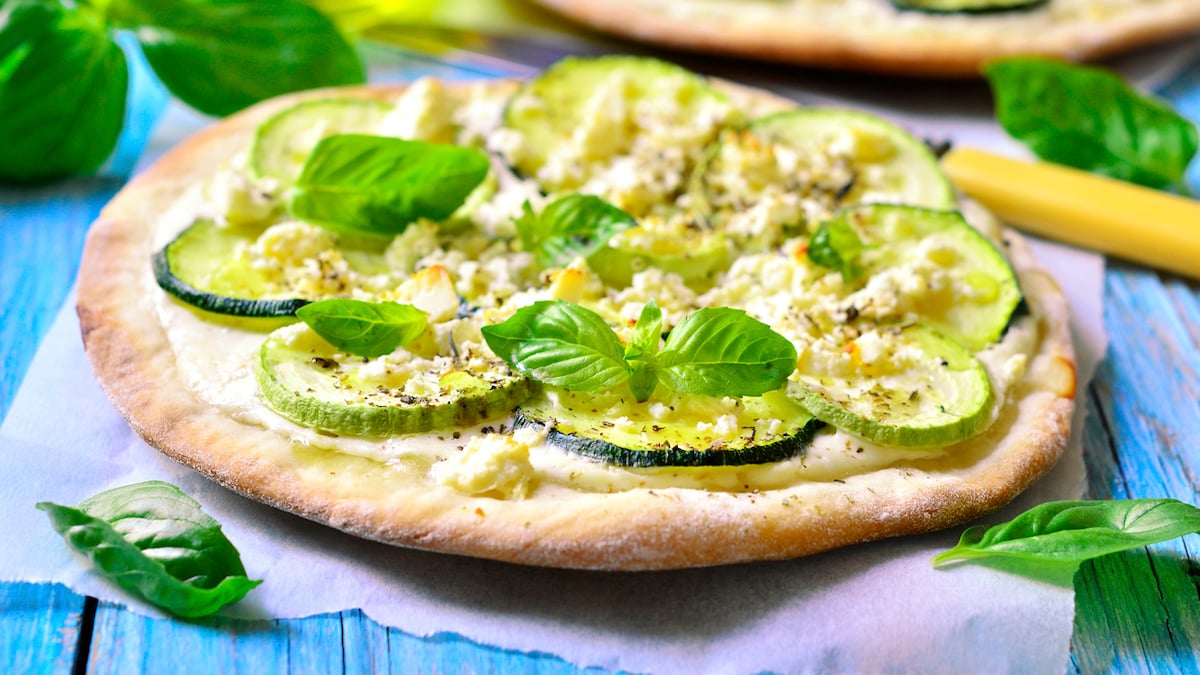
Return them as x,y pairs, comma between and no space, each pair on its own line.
1127,221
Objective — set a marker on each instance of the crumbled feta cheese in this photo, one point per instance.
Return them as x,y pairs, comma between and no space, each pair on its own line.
492,465
423,113
416,241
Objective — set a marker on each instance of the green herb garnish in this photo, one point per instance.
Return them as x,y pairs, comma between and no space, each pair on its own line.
154,541
715,351
362,328
574,226
1088,118
718,351
642,351
1070,532
377,185
836,245
63,78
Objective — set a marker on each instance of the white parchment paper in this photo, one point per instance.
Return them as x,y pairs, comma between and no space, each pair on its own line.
866,608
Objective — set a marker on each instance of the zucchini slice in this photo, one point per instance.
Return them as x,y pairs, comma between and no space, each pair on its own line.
697,254
899,387
966,6
975,292
304,379
584,124
681,432
283,142
823,158
203,267
200,267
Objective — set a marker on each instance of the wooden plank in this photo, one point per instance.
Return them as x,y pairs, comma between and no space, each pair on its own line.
43,230
1140,611
348,642
39,627
364,644
125,642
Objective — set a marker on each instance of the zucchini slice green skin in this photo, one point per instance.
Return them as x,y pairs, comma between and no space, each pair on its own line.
180,278
274,152
296,384
913,165
967,6
200,268
562,93
974,324
594,436
944,399
779,450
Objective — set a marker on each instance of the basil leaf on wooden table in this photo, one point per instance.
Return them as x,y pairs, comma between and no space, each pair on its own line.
368,329
574,226
1089,119
220,56
719,351
560,344
62,91
1070,532
156,542
373,184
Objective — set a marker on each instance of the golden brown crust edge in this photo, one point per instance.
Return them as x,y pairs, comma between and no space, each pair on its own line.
636,530
955,54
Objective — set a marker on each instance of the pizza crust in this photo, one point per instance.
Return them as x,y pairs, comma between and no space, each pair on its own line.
637,529
876,37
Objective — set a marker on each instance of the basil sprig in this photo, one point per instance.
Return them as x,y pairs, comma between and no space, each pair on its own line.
715,351
1070,532
63,78
642,351
576,225
360,184
836,245
1088,118
157,543
362,328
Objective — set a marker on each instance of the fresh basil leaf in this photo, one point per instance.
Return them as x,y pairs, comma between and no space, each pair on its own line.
156,542
368,329
560,344
62,91
643,378
574,226
719,351
372,184
836,245
1088,118
220,56
642,351
647,332
1070,532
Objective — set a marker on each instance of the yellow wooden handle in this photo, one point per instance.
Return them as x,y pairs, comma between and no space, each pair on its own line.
1127,221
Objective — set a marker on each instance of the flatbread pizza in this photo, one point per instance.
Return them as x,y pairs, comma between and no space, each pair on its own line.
899,37
619,317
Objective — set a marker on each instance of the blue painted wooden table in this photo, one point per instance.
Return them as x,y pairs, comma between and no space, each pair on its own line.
1135,612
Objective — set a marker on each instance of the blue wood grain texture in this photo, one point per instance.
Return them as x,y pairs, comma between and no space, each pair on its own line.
40,628
1136,612
345,642
1140,611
